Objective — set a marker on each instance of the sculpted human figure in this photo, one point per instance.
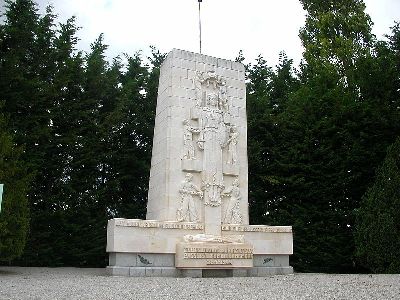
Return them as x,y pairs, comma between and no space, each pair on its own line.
213,116
211,141
188,145
223,97
212,78
201,237
232,212
232,145
187,212
199,79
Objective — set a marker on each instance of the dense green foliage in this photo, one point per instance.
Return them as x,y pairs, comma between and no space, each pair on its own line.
86,127
378,219
14,216
315,139
82,126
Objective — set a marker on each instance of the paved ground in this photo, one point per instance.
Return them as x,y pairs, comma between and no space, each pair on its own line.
71,283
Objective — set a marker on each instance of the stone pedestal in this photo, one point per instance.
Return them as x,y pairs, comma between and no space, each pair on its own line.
197,214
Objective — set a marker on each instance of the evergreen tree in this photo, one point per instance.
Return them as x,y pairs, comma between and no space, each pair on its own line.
322,119
268,93
49,241
326,133
377,242
25,86
131,138
14,216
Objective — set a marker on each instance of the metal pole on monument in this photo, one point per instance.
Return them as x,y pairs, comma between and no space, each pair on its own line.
200,22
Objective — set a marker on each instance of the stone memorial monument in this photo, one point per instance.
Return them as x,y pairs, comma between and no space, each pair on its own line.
197,221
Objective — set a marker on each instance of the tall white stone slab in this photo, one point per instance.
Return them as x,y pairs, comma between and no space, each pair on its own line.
197,214
200,129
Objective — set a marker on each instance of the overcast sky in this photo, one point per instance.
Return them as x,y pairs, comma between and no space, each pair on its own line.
256,26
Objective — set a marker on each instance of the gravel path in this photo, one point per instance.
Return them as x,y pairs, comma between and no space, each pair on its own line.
70,283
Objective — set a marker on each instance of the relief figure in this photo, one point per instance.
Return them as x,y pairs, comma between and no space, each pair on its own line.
188,144
223,97
232,145
187,211
232,212
211,141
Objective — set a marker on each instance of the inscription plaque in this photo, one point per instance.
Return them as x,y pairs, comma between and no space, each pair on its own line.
213,256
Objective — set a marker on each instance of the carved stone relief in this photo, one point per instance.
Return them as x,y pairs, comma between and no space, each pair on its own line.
217,140
233,214
223,98
239,239
188,143
232,146
187,212
211,142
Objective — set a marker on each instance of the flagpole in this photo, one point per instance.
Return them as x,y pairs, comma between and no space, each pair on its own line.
200,22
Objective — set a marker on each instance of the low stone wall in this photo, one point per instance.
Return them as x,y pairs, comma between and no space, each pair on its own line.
163,265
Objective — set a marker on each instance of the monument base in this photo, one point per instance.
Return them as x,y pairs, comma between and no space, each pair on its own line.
163,265
148,248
